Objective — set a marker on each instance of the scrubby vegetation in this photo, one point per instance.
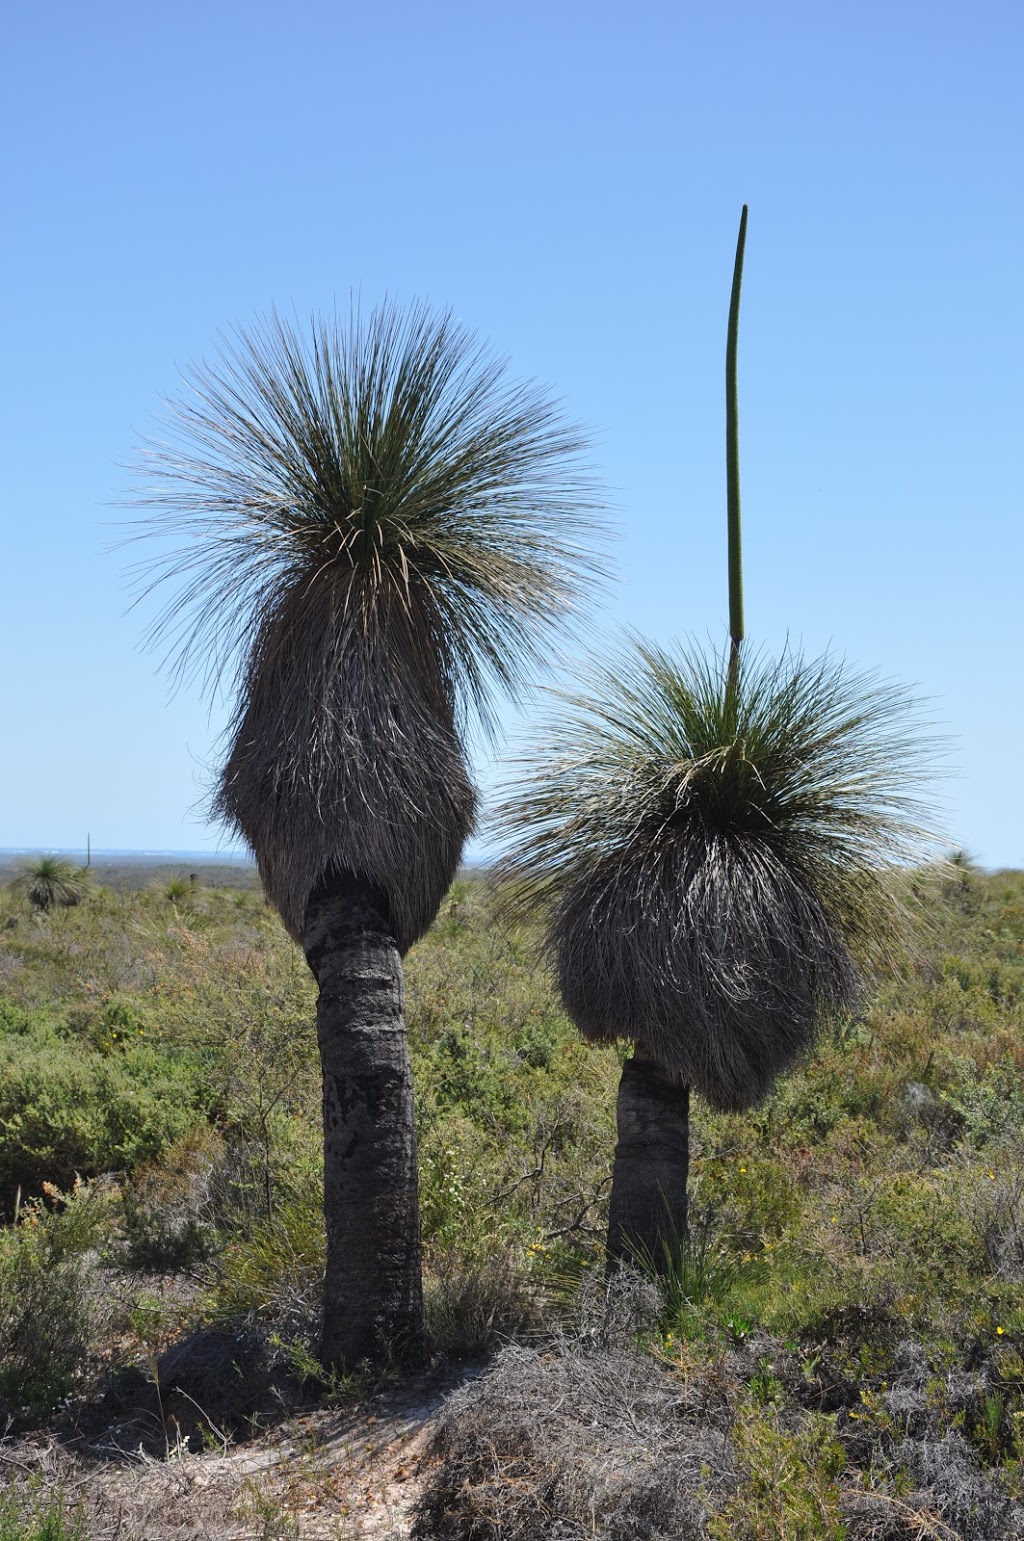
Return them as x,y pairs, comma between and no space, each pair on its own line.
838,1351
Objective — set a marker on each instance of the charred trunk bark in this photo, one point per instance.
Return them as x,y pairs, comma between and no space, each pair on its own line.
648,1202
373,1292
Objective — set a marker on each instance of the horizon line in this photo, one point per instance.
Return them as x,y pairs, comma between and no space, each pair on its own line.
224,854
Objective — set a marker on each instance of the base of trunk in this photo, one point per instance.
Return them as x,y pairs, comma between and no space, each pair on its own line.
373,1291
648,1202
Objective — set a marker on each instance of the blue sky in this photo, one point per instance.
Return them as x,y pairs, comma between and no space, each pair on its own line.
568,178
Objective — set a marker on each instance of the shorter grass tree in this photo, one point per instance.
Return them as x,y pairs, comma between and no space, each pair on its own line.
709,841
709,844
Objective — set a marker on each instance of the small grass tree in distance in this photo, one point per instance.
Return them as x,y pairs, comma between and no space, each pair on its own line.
376,530
708,841
50,882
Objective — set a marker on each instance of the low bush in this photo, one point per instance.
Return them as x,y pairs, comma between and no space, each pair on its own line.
36,1515
170,1210
273,1275
788,1489
575,1439
69,1110
930,1489
47,1298
474,1308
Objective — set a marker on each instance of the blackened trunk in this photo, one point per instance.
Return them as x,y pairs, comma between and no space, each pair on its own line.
373,1291
648,1203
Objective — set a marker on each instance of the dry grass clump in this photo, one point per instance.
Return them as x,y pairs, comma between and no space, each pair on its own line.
574,1441
585,1437
918,1476
877,1516
940,1492
474,1308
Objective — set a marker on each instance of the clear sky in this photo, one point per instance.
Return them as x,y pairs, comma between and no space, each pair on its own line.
568,177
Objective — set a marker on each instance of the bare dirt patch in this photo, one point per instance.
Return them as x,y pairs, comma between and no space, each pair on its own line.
344,1474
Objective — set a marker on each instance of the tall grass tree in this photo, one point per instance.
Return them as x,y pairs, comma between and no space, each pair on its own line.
374,531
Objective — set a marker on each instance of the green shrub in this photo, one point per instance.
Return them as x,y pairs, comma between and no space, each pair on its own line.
992,1103
114,1027
46,1307
36,1515
471,1075
697,1274
756,1188
275,1273
445,1192
473,1307
14,1020
789,1488
67,1109
170,1209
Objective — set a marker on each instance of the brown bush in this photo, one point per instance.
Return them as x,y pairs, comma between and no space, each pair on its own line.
574,1441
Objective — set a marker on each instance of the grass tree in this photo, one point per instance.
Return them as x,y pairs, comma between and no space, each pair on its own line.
50,882
708,841
375,530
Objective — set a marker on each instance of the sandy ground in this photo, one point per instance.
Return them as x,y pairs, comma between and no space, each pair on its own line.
344,1475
